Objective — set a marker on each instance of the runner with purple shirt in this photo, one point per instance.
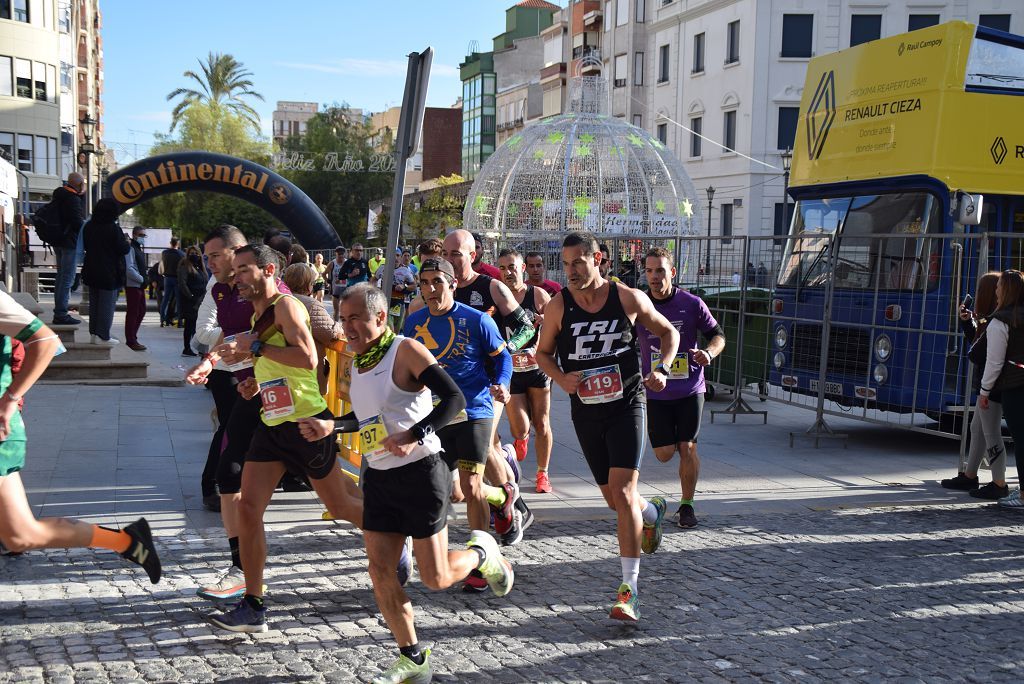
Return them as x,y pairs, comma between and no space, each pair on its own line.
675,412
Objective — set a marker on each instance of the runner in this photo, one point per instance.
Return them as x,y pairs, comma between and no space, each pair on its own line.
536,270
19,529
285,362
590,326
464,341
407,482
675,412
530,388
490,295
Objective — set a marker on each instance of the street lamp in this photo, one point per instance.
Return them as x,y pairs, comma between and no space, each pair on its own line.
787,161
88,149
707,258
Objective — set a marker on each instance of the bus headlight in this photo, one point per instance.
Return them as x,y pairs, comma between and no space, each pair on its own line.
781,337
883,347
880,373
779,360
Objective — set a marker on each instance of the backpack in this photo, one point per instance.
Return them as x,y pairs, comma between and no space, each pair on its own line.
48,224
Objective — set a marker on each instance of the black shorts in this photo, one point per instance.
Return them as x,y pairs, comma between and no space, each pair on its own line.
674,421
411,500
523,381
616,441
240,429
466,444
286,444
317,287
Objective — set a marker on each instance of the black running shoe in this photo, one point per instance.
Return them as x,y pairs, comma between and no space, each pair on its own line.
142,552
961,483
686,517
514,534
991,491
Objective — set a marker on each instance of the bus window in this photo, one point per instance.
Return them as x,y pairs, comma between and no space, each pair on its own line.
805,260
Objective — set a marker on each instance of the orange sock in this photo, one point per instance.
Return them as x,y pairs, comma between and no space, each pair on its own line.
106,538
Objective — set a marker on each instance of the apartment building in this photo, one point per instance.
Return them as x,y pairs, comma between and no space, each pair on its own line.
290,118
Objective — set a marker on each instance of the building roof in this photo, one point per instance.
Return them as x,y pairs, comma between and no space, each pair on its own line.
538,4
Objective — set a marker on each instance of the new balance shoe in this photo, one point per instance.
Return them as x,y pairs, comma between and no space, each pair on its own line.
651,535
991,491
496,569
543,483
405,562
503,513
960,483
521,446
474,582
230,585
141,551
405,671
686,517
511,464
627,605
1013,500
242,618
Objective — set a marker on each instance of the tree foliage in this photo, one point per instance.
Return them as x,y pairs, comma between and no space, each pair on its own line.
224,82
441,210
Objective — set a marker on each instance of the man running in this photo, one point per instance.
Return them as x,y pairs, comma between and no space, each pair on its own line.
590,326
675,412
19,529
470,349
407,482
487,294
536,272
530,388
285,362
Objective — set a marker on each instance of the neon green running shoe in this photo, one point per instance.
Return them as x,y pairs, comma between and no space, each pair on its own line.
404,670
496,568
651,535
627,605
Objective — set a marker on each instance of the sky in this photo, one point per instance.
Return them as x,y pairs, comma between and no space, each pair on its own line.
322,51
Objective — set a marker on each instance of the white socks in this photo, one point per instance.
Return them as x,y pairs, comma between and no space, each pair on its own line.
631,570
649,513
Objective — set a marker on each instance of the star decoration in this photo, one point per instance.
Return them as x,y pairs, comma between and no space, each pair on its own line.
556,137
514,141
538,154
512,210
635,139
622,210
615,151
582,150
587,138
686,207
657,143
581,205
480,204
538,202
659,206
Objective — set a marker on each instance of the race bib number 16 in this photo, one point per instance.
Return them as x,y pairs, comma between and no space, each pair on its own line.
600,385
277,398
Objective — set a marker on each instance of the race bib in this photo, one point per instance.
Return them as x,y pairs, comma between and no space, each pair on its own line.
600,385
524,361
277,398
371,436
680,368
241,365
460,417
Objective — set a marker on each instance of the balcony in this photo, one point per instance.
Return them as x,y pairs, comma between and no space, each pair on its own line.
552,72
593,19
583,51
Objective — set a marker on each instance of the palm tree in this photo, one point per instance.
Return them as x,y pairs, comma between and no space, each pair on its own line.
225,81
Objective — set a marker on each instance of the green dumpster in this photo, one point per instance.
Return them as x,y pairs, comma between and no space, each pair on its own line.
724,303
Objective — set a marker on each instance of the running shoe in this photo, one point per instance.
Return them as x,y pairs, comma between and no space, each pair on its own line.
686,517
230,585
496,569
991,491
405,562
405,671
525,510
543,483
961,482
503,513
651,535
1013,500
514,535
627,605
141,551
511,464
474,582
243,618
521,446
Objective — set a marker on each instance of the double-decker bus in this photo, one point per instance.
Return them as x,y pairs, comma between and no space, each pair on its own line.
908,176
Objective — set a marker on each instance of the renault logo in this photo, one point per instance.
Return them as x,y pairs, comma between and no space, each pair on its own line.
821,114
998,150
901,48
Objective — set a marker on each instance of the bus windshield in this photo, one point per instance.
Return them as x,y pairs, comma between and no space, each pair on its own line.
871,250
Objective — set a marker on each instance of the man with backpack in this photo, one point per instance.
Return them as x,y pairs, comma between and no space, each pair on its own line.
58,225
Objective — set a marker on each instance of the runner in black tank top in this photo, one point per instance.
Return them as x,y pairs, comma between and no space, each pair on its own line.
593,356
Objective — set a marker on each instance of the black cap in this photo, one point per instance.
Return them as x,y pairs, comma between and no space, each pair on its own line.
438,264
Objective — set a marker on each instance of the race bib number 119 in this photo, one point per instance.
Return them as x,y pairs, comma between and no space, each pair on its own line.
600,385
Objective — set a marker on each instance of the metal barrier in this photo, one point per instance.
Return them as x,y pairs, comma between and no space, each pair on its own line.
339,360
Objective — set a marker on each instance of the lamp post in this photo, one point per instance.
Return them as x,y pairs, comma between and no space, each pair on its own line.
88,149
787,161
707,257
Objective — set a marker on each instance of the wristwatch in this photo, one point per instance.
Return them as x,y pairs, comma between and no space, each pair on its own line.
12,397
256,348
420,432
661,367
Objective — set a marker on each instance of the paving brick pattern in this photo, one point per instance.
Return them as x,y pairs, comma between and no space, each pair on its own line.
917,593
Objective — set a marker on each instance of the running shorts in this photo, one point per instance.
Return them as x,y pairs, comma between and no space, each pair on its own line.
674,421
284,443
616,441
411,500
534,378
467,444
12,449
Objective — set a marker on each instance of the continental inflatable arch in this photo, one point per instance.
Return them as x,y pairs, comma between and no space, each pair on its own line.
241,178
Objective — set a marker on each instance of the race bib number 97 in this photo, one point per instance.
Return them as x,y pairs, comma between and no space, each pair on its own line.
371,436
277,398
600,385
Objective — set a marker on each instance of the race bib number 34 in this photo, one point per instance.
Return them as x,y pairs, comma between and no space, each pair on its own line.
600,385
524,361
277,398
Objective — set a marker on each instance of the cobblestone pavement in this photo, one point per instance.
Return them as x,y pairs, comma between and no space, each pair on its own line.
922,593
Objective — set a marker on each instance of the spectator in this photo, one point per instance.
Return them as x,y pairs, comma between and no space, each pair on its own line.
135,289
737,279
69,200
300,279
355,270
192,277
478,260
156,283
280,244
297,255
762,280
407,262
536,271
334,279
170,258
321,271
104,267
377,261
751,274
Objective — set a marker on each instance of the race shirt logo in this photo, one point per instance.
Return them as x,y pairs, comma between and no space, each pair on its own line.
596,339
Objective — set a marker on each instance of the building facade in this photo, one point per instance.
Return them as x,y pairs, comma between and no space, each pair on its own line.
438,151
733,71
290,118
51,76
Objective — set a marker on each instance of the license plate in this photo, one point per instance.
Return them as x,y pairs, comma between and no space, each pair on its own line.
832,388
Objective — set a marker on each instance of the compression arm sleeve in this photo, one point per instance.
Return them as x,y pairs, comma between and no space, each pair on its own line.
709,335
521,329
445,389
347,423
